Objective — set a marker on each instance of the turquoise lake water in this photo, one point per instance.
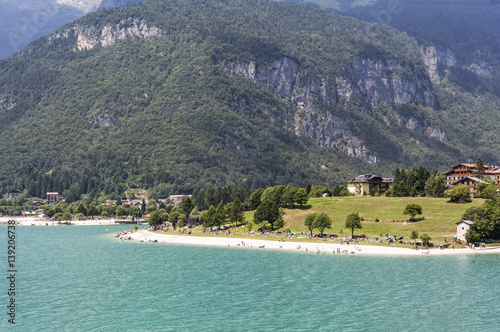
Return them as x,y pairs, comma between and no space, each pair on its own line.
83,279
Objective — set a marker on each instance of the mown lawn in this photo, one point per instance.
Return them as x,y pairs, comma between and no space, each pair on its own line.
440,217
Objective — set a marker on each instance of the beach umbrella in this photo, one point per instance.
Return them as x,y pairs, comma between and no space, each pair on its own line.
376,237
401,237
389,238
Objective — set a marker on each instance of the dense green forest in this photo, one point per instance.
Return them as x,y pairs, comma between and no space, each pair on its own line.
163,113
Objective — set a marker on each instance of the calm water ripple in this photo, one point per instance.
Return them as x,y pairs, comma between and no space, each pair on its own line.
83,279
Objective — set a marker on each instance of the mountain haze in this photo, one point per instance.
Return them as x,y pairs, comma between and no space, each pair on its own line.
177,95
22,21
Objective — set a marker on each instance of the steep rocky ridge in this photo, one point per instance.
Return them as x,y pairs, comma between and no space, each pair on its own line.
437,60
375,81
88,36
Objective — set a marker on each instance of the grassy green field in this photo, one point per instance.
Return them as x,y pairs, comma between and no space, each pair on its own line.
440,217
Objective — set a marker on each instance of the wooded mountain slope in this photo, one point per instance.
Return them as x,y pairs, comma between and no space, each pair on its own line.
180,95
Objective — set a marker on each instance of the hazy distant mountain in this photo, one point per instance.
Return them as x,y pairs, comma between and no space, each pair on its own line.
22,21
106,4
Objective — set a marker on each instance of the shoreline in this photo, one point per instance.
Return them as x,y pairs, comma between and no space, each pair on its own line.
30,221
313,248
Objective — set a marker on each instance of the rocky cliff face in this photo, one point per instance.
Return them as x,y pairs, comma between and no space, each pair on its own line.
437,60
278,76
383,81
327,130
423,128
374,81
89,37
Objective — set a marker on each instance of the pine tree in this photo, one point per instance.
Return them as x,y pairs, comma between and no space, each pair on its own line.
479,168
236,213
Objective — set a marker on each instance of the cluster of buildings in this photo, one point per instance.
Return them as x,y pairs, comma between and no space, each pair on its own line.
464,173
461,174
467,174
54,197
172,200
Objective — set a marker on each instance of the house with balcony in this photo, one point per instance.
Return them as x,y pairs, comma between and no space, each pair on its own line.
471,182
363,184
13,194
54,197
175,200
467,174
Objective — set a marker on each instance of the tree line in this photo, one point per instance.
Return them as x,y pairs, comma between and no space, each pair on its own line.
418,181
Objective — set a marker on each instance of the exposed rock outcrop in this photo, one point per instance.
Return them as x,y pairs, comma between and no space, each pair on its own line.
423,128
481,69
6,104
383,81
89,37
437,60
278,76
317,89
375,81
330,131
99,119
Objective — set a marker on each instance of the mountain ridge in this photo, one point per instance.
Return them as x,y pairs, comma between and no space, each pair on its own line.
245,93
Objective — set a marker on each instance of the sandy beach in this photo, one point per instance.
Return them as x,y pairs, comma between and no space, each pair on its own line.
309,247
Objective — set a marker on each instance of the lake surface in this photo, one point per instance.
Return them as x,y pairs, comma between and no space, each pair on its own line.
82,279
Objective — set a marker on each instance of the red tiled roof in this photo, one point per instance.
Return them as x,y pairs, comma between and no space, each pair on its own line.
465,164
471,178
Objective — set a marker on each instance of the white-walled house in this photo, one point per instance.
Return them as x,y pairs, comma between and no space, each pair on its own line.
462,228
